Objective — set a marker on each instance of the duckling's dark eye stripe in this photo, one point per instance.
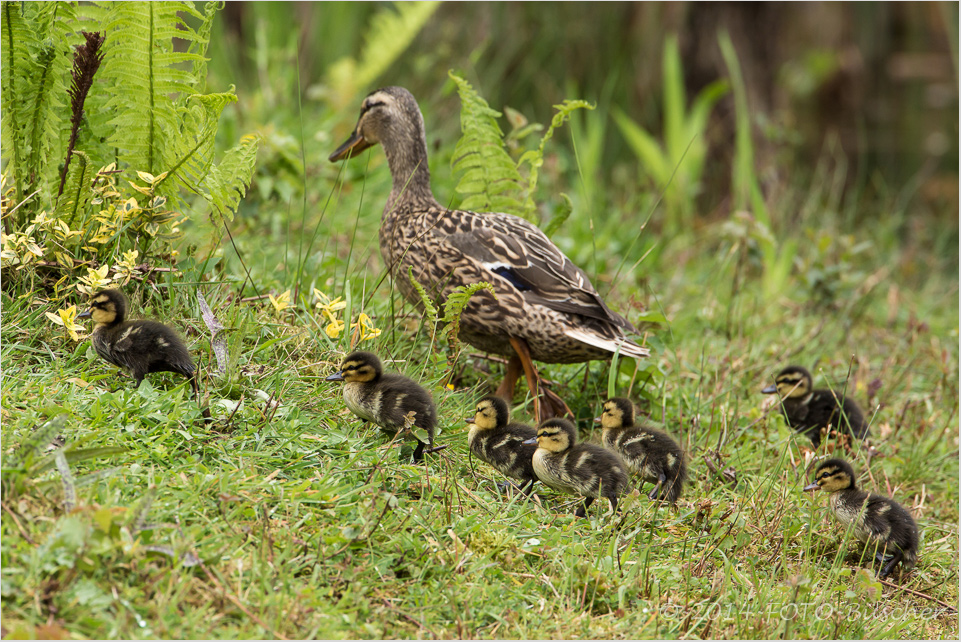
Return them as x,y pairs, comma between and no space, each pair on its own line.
368,106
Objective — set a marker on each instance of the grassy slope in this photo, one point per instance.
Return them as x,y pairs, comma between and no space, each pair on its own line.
305,524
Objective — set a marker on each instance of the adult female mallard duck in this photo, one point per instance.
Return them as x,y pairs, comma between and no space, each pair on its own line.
877,521
546,308
809,411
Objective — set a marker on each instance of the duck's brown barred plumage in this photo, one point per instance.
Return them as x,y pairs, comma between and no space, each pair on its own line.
541,296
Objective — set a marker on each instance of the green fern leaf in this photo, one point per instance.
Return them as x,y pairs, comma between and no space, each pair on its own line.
535,158
424,299
455,304
228,181
77,189
198,129
139,56
34,64
489,179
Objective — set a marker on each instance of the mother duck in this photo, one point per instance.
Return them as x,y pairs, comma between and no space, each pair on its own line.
546,308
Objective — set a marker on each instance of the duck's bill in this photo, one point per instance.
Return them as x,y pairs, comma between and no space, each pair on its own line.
532,440
469,420
354,145
811,487
337,376
84,315
769,390
597,421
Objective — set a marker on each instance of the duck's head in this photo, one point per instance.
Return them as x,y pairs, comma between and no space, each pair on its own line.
833,475
555,435
793,381
618,412
358,367
106,307
490,412
387,114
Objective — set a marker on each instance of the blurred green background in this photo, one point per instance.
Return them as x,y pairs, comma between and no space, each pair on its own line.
869,87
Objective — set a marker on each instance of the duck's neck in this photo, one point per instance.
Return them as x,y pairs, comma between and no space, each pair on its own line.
407,158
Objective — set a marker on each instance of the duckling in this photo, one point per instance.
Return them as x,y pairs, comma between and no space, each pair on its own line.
577,469
877,520
649,453
808,410
139,347
387,400
546,308
494,439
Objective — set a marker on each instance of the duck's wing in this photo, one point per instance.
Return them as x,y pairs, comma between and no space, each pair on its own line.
521,255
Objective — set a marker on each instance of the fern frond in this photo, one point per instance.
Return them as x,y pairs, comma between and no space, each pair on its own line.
15,61
202,42
228,181
535,157
32,72
198,129
455,304
424,299
139,56
77,188
489,179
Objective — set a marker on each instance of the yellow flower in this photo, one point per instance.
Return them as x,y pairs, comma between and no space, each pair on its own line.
281,302
334,328
67,319
326,305
365,327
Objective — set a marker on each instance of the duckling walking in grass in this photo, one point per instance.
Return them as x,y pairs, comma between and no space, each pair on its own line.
390,400
577,469
878,521
139,347
496,440
809,411
649,453
546,308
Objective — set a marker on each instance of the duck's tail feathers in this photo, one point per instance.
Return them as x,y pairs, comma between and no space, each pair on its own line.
627,348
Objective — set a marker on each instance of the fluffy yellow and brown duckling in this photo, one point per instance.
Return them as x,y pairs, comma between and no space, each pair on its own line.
139,347
650,453
546,308
494,438
577,469
877,521
390,400
808,411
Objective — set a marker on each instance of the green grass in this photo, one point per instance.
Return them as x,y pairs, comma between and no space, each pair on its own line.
287,518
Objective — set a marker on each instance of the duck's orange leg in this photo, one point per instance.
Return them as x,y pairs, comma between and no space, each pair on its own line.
546,403
506,389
